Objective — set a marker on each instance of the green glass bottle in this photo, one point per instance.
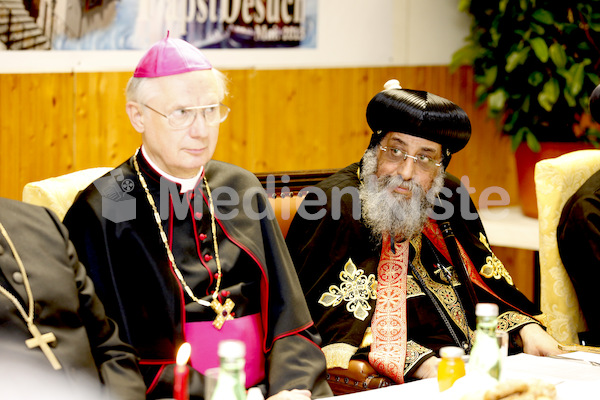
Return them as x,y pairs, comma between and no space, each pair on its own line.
485,354
231,381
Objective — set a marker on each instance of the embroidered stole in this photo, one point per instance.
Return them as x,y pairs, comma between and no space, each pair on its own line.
388,326
433,233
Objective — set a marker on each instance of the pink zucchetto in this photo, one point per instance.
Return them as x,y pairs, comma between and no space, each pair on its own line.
171,57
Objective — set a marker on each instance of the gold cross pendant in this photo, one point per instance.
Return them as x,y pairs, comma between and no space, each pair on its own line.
41,341
223,312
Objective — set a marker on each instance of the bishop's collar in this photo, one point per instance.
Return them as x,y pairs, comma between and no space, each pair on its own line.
186,184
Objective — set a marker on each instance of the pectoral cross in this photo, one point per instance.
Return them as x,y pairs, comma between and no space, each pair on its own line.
41,341
444,273
223,312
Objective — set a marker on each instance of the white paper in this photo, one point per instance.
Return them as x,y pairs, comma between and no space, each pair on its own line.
583,355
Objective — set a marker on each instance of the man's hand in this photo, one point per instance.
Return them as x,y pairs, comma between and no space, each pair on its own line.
294,394
428,369
538,342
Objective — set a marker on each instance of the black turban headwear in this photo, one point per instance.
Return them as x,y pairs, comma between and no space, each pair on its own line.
418,113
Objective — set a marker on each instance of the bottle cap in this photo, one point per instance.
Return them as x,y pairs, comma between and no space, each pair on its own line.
232,349
451,352
254,393
486,310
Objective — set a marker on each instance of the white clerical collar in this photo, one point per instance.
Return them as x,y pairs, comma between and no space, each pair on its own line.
187,184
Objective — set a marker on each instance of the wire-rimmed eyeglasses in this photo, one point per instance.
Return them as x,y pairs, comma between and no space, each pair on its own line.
180,118
398,156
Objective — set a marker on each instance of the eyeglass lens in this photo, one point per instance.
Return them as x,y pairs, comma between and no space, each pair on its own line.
185,117
398,156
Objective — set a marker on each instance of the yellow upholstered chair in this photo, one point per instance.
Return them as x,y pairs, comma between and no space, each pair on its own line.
58,193
556,180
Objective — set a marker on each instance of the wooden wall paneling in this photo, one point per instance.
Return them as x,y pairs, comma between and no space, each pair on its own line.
103,134
236,139
280,120
10,130
294,119
284,114
488,159
354,133
325,120
36,111
51,124
311,128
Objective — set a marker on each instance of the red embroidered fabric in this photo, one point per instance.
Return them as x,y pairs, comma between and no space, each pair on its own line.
388,327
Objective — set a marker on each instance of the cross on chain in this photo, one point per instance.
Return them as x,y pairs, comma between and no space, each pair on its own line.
223,312
41,341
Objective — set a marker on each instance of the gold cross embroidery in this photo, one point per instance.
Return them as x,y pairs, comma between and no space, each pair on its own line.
223,312
41,341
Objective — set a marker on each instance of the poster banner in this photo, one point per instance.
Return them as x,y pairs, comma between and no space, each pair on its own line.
137,24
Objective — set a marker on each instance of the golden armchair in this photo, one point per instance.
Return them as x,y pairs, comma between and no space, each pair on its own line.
556,180
58,193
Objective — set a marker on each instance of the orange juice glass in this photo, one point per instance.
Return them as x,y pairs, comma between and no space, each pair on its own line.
451,366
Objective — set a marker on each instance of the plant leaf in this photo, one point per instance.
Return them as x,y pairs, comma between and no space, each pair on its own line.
463,5
539,29
526,90
516,58
489,76
569,97
595,26
593,132
464,56
577,73
535,78
540,48
543,16
523,4
516,139
497,100
532,141
510,121
549,94
526,103
558,55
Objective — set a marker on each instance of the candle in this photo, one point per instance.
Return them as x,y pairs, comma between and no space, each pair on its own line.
180,388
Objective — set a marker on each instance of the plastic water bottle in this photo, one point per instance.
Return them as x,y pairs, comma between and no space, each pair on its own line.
485,354
451,367
231,381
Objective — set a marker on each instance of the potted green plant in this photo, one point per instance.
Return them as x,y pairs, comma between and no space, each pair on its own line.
535,63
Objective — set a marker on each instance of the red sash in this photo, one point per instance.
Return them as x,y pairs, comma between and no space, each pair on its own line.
205,339
433,233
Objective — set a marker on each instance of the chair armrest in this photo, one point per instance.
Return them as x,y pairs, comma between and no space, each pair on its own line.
359,376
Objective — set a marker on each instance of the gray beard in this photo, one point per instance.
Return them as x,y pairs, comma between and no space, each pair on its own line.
387,212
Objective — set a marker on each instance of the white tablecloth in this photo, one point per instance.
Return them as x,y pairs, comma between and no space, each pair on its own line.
574,379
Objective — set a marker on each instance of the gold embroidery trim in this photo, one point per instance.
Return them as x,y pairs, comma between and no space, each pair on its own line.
414,352
338,355
412,287
356,289
512,320
493,267
442,292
